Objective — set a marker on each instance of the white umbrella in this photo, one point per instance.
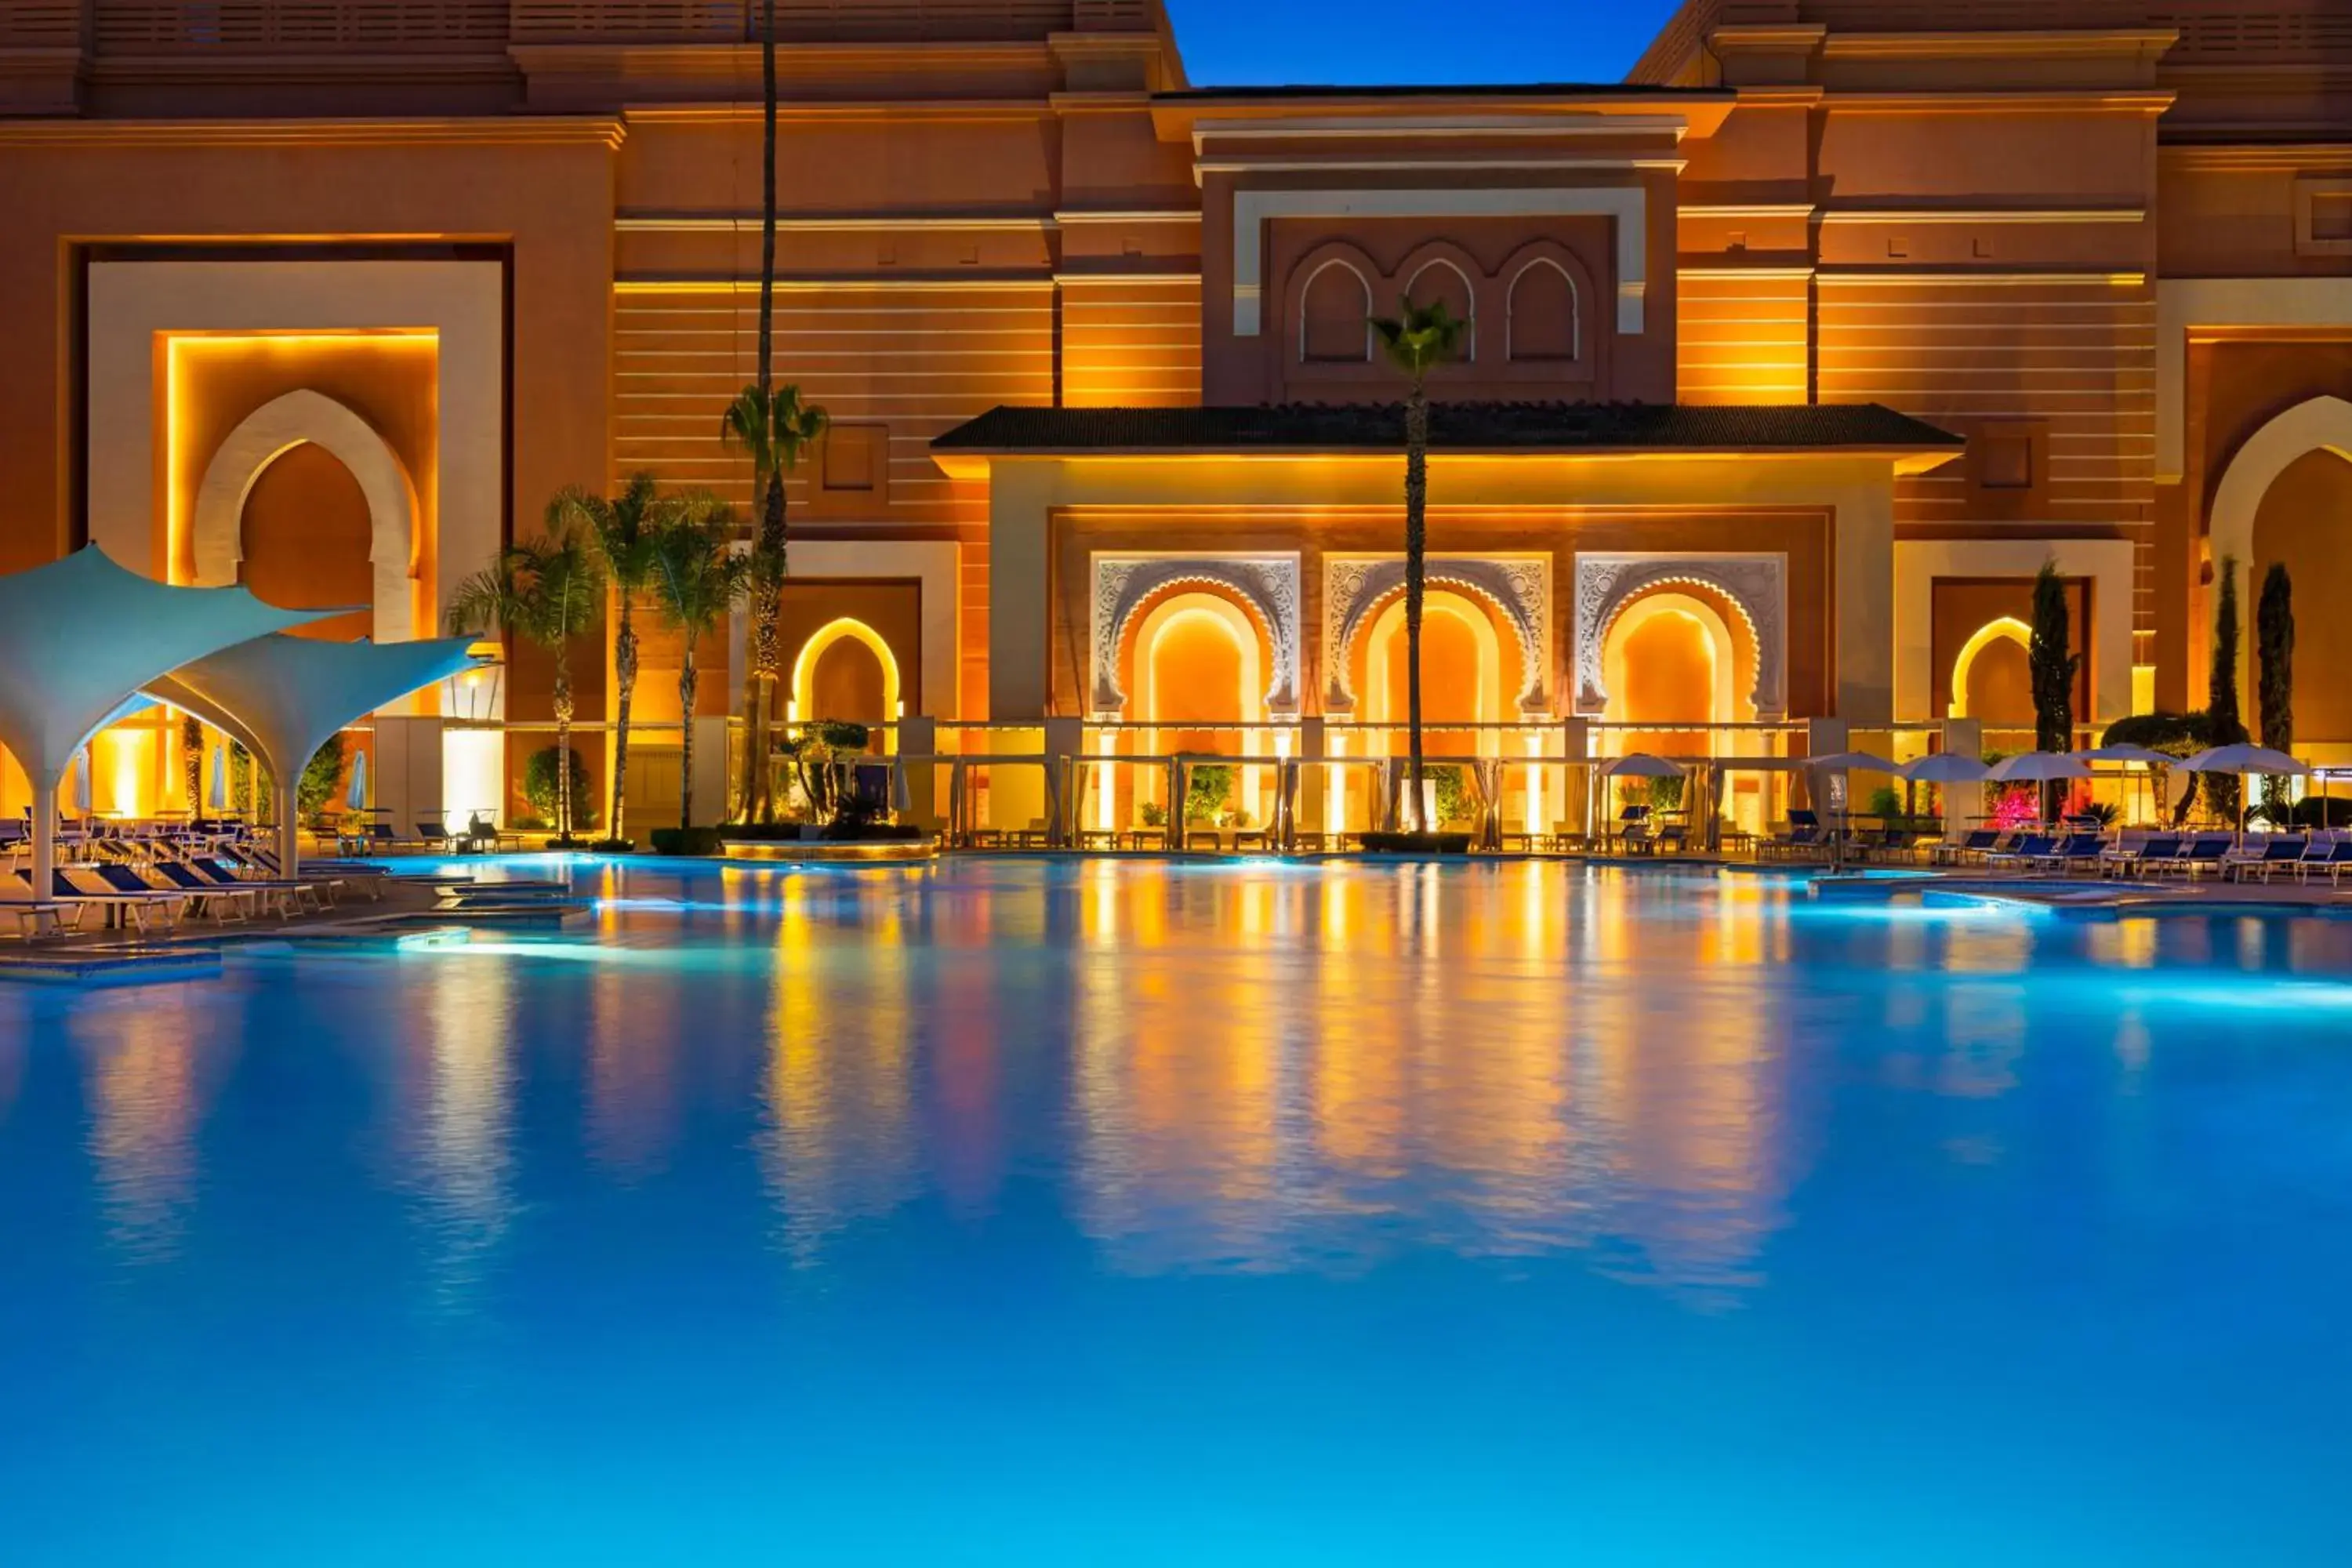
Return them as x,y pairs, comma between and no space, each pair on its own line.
81,782
357,796
1945,767
2039,767
1640,765
217,797
2140,754
2244,758
1854,762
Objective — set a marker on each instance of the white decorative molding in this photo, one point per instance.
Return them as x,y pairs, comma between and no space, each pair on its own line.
1519,586
1756,584
269,433
1629,205
1267,585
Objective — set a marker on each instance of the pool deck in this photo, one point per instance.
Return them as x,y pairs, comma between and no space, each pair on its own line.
408,905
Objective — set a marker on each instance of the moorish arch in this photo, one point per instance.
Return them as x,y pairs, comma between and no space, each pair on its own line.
2006,638
1755,585
845,636
1477,697
1713,699
1357,588
1265,586
296,418
2279,486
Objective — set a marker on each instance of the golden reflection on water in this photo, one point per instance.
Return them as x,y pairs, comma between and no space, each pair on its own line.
1420,1057
145,1099
461,1142
838,1141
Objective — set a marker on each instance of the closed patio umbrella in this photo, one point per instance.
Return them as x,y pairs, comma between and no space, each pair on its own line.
81,782
216,794
356,796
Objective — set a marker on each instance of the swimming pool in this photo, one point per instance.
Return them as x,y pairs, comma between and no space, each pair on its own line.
1008,1212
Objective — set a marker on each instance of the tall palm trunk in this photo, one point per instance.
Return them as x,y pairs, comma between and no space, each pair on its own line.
1416,544
759,686
562,743
686,678
767,653
624,673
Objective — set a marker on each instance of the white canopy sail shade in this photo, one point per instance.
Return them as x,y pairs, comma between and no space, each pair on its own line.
1945,767
78,637
286,696
2039,767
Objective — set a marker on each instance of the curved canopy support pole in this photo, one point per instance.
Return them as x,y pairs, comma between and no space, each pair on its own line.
289,832
45,839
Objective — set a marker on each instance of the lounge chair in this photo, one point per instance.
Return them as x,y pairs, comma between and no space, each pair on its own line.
36,918
2074,849
2334,864
288,896
120,878
2028,851
2284,850
1978,842
1802,835
2138,859
214,898
433,836
140,909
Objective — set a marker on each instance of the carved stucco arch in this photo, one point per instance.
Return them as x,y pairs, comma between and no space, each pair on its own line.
267,433
1519,586
2317,424
1265,585
1755,586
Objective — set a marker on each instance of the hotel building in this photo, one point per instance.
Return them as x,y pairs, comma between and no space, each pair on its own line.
1793,358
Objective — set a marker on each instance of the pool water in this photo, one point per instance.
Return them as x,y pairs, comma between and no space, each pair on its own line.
1109,1214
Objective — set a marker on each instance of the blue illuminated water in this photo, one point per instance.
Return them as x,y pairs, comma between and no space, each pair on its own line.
1137,1214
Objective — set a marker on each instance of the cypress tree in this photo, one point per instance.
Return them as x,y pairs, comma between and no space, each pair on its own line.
2224,726
2274,680
2054,667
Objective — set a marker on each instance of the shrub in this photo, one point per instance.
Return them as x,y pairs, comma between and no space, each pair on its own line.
1666,794
538,787
1886,800
317,785
1205,792
1455,801
1152,814
2181,735
700,841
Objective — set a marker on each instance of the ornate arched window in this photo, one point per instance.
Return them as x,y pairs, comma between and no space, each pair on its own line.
1335,312
1545,323
1440,281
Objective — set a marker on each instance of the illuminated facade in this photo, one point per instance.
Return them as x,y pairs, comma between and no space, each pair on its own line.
1792,358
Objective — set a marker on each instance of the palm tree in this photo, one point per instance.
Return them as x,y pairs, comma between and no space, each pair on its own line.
775,429
1417,340
623,529
697,580
545,591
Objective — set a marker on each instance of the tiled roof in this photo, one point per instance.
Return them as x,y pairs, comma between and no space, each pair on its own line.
1456,427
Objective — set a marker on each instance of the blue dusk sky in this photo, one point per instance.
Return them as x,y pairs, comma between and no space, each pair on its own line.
1242,43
